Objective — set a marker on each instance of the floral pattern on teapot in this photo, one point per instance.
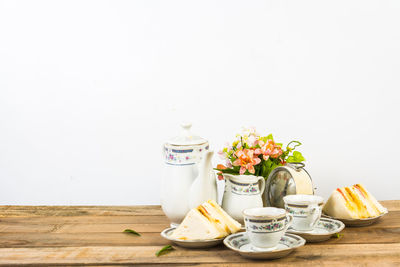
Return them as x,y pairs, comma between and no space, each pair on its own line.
187,156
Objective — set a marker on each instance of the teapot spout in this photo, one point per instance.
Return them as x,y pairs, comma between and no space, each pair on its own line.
204,187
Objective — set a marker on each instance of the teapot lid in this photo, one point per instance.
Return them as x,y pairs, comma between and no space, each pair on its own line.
186,138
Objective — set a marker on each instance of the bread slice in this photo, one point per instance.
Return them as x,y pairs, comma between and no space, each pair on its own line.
361,209
353,202
214,218
340,206
196,227
207,221
227,222
370,209
371,199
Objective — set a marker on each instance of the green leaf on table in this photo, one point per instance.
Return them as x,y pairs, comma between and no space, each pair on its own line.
337,235
130,231
164,250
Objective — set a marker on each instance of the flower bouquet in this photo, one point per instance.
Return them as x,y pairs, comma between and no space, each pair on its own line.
252,154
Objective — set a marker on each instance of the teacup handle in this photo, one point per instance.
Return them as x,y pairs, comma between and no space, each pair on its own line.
289,221
315,213
261,183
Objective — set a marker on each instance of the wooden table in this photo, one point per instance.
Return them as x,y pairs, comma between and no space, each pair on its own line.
92,235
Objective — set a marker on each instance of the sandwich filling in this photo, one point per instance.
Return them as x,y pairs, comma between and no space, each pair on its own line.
353,202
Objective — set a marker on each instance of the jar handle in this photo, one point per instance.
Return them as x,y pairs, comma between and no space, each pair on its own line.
261,182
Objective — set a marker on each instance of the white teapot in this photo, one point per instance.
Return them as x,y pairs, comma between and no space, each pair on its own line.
189,178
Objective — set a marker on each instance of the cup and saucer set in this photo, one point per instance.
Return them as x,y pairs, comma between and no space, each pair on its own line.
274,232
265,236
307,222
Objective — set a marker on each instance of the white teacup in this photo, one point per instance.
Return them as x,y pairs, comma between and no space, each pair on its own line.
305,209
266,226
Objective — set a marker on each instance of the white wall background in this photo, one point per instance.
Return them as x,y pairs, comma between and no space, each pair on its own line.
89,91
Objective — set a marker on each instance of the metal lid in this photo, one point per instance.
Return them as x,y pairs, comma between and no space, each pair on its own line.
186,138
281,183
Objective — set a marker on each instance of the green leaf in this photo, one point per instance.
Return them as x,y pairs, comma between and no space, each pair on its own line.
266,168
130,231
265,138
298,156
230,171
290,159
297,143
337,235
164,250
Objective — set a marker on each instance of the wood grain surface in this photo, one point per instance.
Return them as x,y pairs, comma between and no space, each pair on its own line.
93,235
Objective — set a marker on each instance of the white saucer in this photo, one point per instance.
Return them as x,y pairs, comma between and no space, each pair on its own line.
206,243
250,247
240,243
324,230
358,222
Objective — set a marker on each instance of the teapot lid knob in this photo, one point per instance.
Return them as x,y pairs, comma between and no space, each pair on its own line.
186,125
186,137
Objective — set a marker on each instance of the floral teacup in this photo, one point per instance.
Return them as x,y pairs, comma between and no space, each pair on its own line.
306,210
266,226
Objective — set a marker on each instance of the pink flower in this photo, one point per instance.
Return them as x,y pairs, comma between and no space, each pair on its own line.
252,141
246,159
277,152
228,163
268,149
228,146
221,154
225,152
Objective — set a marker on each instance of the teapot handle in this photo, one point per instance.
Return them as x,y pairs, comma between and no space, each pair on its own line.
163,151
261,182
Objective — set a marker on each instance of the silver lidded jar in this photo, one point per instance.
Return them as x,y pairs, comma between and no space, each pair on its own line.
290,179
